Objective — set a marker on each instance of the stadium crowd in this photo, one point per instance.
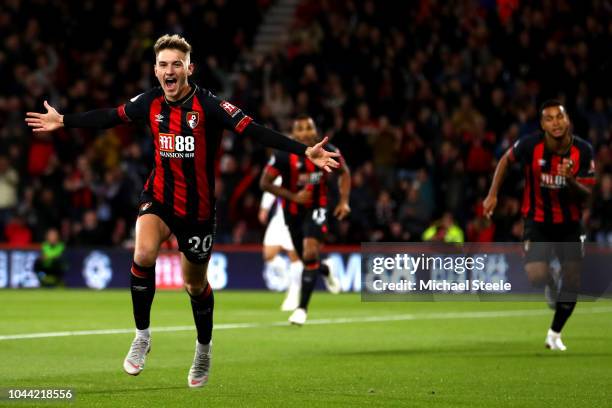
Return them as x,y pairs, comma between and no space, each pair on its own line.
421,97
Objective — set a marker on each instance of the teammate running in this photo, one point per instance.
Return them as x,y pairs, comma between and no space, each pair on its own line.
187,123
304,194
277,239
559,173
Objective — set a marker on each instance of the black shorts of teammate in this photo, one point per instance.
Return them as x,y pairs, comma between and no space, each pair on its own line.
195,238
543,241
308,224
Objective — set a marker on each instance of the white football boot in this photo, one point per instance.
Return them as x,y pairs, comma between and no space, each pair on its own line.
198,373
135,360
553,341
331,281
298,317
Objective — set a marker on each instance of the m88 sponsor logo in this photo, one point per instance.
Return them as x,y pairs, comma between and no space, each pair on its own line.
176,146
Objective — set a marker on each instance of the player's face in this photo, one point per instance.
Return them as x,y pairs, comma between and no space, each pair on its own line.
172,69
555,121
305,131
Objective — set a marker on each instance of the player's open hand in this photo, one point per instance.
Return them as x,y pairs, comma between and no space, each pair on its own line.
45,122
321,157
342,210
303,197
488,206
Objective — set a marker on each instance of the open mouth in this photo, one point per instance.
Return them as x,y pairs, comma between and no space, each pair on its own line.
170,83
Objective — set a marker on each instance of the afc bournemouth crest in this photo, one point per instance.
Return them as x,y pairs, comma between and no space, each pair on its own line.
192,119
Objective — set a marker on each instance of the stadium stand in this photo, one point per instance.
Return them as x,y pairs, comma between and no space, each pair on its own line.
421,103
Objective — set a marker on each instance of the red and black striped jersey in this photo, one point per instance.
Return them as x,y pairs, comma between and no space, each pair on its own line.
299,173
186,135
547,197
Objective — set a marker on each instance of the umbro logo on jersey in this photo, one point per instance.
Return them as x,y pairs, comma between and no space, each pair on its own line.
159,117
145,206
542,162
192,119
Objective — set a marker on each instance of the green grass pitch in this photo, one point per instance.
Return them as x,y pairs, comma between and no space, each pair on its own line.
444,354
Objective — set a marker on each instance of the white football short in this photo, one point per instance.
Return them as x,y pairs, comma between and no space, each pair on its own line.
277,232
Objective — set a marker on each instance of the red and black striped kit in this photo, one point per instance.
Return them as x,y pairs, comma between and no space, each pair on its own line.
547,197
186,135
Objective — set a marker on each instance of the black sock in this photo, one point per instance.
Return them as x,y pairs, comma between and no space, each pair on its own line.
203,306
142,286
562,312
568,295
324,269
309,280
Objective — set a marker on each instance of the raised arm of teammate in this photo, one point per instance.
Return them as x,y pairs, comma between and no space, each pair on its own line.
278,164
490,202
581,184
266,183
344,188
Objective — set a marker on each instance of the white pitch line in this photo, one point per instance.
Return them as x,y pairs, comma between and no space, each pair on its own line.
341,320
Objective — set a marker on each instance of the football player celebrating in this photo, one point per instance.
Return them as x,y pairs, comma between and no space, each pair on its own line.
187,123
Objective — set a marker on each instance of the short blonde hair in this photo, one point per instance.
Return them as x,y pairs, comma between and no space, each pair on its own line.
174,42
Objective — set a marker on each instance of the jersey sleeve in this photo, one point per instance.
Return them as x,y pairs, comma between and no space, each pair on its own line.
278,165
228,115
586,168
136,109
267,199
519,152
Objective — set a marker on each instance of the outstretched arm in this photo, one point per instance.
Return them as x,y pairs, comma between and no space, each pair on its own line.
321,157
270,138
52,120
234,119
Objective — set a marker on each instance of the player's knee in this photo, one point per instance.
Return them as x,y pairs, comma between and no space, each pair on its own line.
310,255
537,273
293,256
311,262
145,256
269,254
194,289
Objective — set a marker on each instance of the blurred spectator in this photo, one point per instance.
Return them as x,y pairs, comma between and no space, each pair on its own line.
432,89
507,220
50,266
480,229
89,232
415,211
601,213
17,232
444,230
9,180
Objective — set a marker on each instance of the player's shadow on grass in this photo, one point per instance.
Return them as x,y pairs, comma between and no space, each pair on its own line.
130,390
484,351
